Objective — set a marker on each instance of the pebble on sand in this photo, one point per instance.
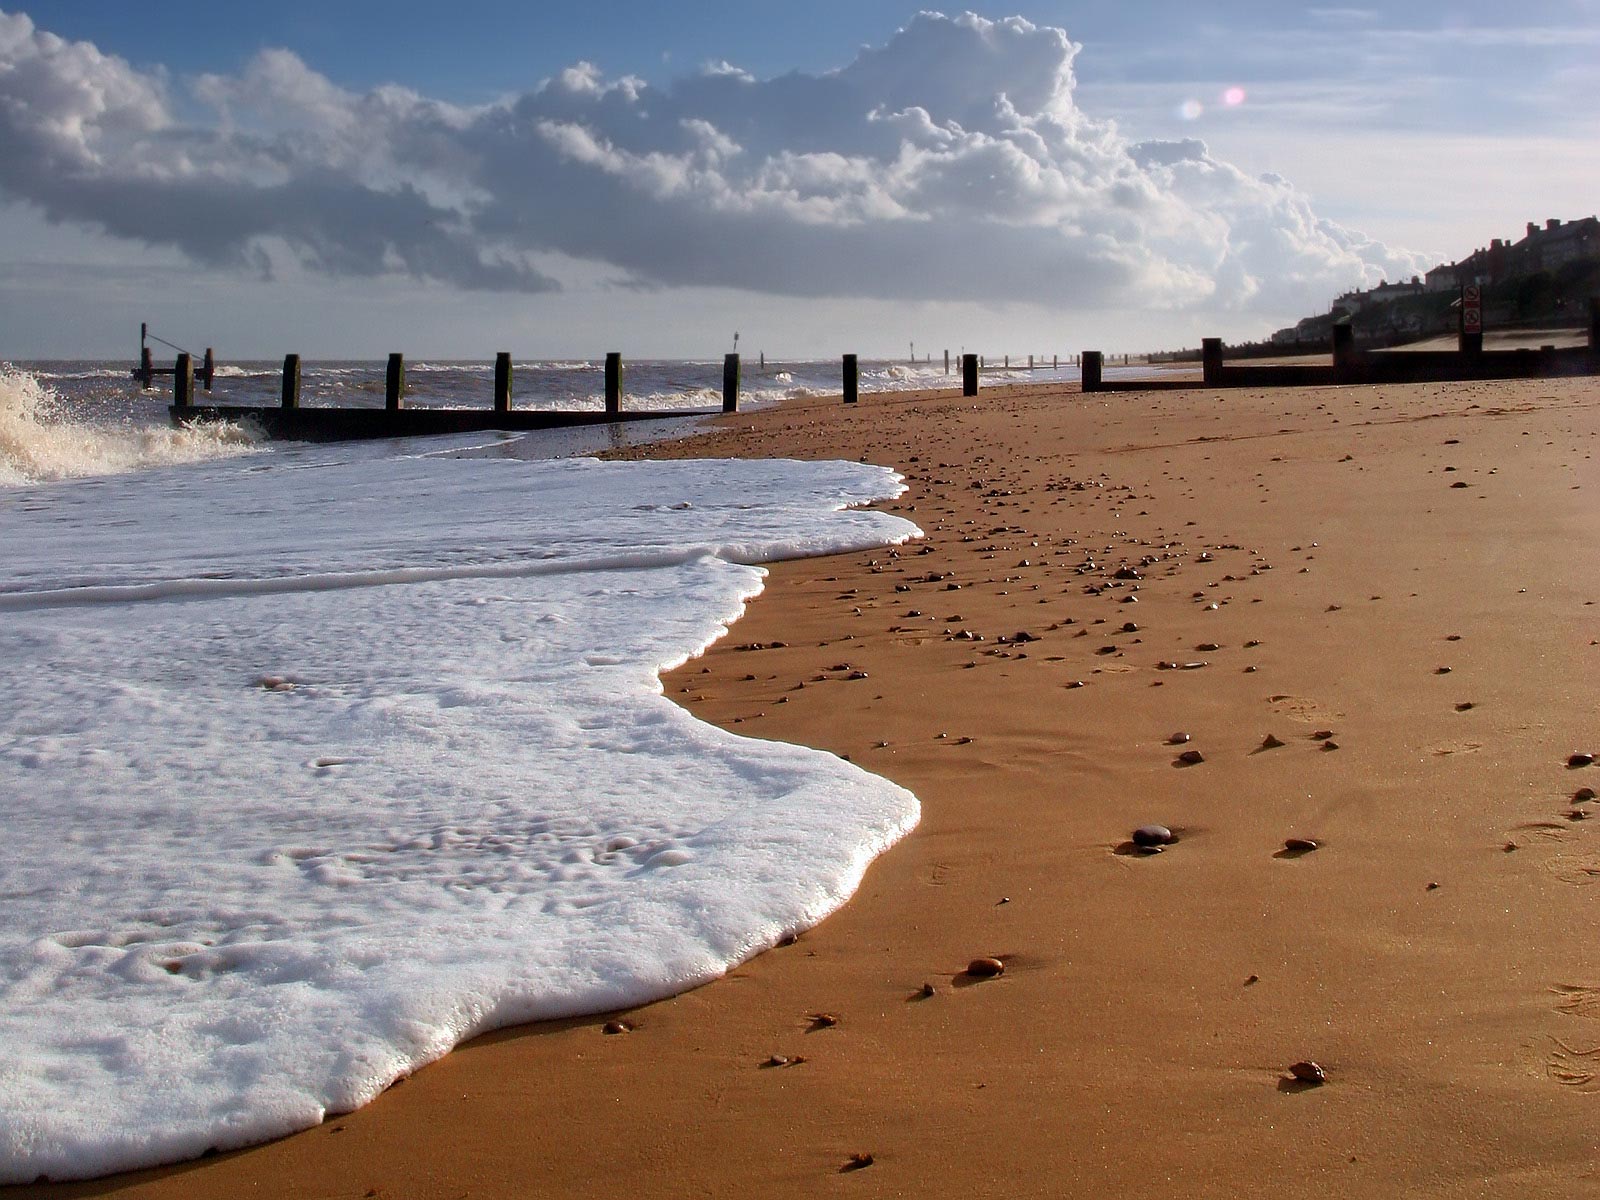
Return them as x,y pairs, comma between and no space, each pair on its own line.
1581,759
617,1027
1178,739
1191,758
1297,845
986,968
1153,835
1270,743
1309,1072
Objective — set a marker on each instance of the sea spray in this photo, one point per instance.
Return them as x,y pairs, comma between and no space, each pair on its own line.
41,439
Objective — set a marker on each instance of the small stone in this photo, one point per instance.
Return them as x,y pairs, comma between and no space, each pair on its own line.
1191,758
1178,739
986,968
1207,647
1153,835
1580,760
617,1027
1582,794
1322,735
857,1162
1441,670
1465,706
927,990
1432,887
1253,979
1330,744
824,1020
1270,743
1309,1072
1296,845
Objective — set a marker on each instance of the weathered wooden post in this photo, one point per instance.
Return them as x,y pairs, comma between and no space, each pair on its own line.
1030,362
502,381
394,383
183,382
209,371
614,381
291,381
1211,361
947,362
852,378
969,374
730,383
147,367
1055,362
1344,350
763,360
1594,333
1008,362
1091,370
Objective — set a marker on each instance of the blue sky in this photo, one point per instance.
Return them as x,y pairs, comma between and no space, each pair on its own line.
348,178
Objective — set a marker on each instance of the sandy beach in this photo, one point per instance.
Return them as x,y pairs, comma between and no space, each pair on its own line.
1368,614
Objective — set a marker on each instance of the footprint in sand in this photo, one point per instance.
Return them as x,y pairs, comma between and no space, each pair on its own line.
1576,1000
1300,709
1578,870
1574,1068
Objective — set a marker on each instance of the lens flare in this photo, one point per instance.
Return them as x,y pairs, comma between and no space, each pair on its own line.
1233,97
1190,110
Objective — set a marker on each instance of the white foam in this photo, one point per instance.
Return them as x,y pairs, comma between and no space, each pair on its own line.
41,440
272,843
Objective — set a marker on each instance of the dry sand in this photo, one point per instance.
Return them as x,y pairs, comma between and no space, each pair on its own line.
1367,564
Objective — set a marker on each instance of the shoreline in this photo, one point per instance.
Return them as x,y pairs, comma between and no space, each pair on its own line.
1126,1049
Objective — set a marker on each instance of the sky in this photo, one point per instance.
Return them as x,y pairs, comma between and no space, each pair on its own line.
345,179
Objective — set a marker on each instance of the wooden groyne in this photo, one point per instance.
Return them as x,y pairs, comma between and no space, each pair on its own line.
290,421
1351,365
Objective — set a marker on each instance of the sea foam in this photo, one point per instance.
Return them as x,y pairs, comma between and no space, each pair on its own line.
316,763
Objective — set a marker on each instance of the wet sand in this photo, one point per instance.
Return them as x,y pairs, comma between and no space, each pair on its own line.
1400,585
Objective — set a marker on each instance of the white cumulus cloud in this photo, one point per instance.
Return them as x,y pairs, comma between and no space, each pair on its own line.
950,163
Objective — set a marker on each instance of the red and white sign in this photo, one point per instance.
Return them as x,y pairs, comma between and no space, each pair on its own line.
1472,309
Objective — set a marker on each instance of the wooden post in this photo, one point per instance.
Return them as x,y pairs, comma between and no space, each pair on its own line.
730,383
1055,362
209,370
969,374
147,367
291,381
502,381
1030,362
394,383
1211,361
183,382
1008,362
614,381
1594,333
1344,349
947,362
1091,370
852,378
763,360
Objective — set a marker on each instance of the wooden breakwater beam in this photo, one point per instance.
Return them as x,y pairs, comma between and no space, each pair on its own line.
969,374
145,373
291,421
502,382
614,381
730,383
852,378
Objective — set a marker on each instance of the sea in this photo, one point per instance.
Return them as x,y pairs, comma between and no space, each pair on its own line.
316,760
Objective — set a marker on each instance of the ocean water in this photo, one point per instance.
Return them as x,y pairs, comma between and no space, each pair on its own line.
317,760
